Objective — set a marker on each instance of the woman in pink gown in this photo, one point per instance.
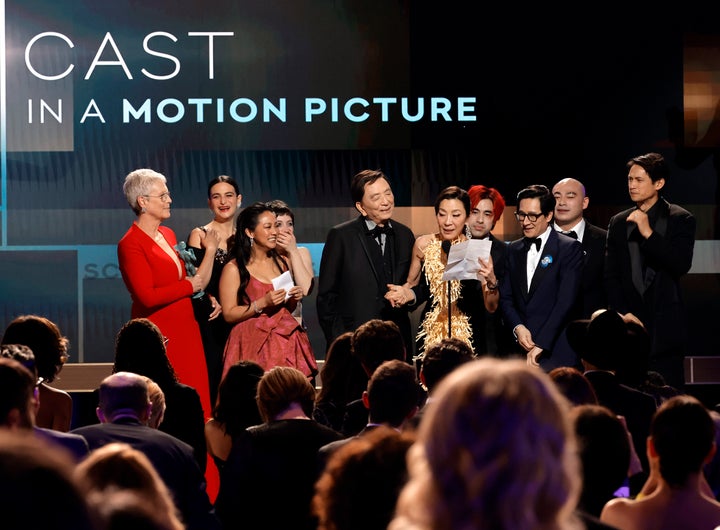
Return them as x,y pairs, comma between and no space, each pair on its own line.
158,282
264,330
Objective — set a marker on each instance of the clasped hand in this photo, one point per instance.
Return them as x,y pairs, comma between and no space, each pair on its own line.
397,295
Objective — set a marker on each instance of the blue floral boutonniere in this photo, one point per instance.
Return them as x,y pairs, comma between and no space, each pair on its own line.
188,257
547,260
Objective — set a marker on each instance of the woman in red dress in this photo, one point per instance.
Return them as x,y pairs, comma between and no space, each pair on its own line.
157,279
264,330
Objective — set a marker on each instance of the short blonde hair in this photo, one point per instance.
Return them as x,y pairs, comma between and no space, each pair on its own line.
495,450
138,183
282,386
157,398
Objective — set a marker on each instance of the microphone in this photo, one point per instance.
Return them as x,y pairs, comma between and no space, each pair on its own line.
446,249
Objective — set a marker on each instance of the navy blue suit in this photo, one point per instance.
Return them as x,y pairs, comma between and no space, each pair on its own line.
546,307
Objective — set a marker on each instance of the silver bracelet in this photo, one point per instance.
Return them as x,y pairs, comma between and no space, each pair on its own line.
255,307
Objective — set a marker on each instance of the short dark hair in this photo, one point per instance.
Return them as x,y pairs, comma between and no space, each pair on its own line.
362,179
16,387
281,208
443,357
377,341
392,393
541,192
654,165
453,192
22,354
45,340
683,433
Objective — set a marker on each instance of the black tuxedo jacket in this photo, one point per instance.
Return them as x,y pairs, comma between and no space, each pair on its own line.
592,289
667,255
173,459
546,307
350,289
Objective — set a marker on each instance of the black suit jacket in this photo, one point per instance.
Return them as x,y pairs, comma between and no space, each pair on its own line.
490,335
592,289
667,255
546,307
173,460
268,479
350,287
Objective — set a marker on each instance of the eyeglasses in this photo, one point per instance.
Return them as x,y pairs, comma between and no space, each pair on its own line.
532,217
164,197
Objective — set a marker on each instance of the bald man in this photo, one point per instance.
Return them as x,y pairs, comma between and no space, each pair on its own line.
571,201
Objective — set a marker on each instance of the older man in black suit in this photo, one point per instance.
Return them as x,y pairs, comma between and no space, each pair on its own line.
571,201
541,281
124,410
360,258
649,248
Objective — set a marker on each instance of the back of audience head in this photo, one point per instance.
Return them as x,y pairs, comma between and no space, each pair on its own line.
604,450
377,341
120,467
392,393
281,387
495,450
21,353
18,400
574,385
441,358
343,377
236,406
601,342
157,400
123,393
140,349
44,339
361,482
37,489
682,436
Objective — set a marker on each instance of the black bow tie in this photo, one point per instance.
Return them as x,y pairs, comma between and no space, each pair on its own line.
528,241
375,232
571,233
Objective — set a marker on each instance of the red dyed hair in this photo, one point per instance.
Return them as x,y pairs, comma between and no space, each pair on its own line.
480,192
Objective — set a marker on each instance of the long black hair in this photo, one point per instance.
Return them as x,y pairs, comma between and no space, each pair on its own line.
248,219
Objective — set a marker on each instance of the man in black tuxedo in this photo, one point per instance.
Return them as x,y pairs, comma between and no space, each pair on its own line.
541,282
649,248
490,335
571,202
360,258
124,410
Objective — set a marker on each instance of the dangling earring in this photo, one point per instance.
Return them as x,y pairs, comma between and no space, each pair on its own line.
143,210
468,233
252,240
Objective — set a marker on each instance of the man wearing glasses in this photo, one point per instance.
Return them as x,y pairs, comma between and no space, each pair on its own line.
541,282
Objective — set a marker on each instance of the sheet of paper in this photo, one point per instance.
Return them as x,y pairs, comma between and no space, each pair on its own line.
284,281
462,263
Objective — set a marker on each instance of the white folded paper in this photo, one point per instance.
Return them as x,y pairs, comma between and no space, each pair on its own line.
284,281
462,263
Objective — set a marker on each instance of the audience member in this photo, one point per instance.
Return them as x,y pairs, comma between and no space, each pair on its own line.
223,199
50,349
541,282
649,249
236,409
682,440
438,361
298,256
125,509
20,399
37,489
486,207
268,478
574,385
495,450
124,412
373,343
360,485
119,467
353,280
571,201
602,344
391,399
140,349
343,380
157,401
604,449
